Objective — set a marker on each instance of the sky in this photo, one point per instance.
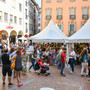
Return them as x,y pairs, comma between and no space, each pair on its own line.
38,2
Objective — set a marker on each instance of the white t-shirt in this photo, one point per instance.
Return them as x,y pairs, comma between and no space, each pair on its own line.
74,54
47,53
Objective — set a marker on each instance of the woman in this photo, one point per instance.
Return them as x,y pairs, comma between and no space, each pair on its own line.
18,66
84,63
33,58
24,59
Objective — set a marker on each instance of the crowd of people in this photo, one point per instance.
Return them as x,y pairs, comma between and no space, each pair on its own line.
50,54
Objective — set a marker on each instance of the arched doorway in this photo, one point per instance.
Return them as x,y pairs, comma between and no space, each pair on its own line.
13,35
3,35
20,33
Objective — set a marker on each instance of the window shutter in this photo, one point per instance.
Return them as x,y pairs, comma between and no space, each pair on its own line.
62,27
68,27
75,27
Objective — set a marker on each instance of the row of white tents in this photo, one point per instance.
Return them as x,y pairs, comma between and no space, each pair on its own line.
53,34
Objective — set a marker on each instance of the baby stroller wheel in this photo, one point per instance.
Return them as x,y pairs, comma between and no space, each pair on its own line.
38,73
46,74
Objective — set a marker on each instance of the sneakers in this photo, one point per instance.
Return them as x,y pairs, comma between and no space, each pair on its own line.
82,76
10,84
20,85
63,75
71,72
3,84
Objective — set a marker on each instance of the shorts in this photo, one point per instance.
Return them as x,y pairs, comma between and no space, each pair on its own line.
17,73
6,69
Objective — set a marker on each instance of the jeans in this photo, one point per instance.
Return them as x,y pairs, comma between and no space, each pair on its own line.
72,65
33,65
58,65
62,67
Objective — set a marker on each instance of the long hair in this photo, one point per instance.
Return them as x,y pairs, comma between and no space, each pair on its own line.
18,52
84,53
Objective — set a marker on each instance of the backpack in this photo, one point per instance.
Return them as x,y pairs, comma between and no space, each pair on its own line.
59,57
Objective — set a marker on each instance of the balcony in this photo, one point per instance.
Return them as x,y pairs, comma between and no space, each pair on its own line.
48,17
85,17
59,17
72,17
71,33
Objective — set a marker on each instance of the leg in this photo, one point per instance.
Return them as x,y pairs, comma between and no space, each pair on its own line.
4,79
83,66
62,67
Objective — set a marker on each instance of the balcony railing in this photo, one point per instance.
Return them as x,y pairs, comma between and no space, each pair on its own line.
85,17
72,17
71,33
59,17
48,17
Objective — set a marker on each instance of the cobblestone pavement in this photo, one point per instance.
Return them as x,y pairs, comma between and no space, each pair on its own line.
32,81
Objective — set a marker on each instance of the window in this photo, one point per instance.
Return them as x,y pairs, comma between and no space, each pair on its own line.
3,0
5,17
20,7
11,18
26,2
72,29
0,16
15,19
48,14
85,13
60,26
72,0
59,0
59,14
20,21
25,13
72,13
48,1
26,27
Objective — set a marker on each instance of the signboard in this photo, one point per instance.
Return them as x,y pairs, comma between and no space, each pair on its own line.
9,27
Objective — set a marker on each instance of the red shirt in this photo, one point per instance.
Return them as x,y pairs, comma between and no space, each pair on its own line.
63,56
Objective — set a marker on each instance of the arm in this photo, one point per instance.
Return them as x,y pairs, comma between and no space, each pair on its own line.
12,58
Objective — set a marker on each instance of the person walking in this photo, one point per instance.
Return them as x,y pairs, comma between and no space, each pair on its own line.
84,63
33,58
6,67
63,61
18,66
24,59
72,58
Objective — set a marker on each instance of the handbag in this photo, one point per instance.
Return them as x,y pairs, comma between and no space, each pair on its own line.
13,63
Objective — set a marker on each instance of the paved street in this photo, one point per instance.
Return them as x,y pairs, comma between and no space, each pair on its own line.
32,81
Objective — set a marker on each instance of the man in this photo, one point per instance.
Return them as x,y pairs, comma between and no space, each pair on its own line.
6,67
63,61
72,58
59,57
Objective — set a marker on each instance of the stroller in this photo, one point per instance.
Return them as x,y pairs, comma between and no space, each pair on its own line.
42,69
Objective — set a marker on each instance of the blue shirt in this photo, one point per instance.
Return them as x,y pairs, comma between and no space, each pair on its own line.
85,57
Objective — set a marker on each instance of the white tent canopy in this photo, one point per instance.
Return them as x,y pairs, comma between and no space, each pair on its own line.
61,31
49,34
81,36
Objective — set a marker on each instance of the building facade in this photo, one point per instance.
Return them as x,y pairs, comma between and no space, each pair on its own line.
11,19
39,20
18,18
69,15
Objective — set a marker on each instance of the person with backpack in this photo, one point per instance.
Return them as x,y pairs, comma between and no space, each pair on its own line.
59,57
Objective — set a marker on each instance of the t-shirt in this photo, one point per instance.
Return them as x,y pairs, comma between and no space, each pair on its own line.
5,59
63,56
